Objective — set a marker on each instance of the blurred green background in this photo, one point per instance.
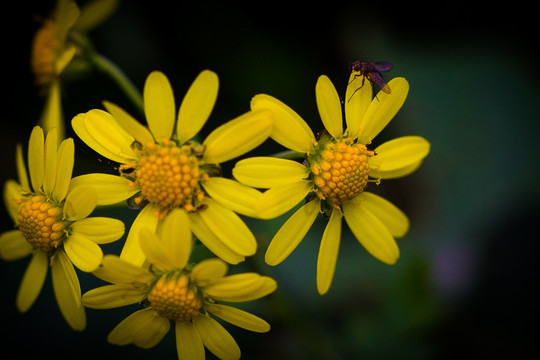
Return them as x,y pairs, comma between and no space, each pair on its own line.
467,278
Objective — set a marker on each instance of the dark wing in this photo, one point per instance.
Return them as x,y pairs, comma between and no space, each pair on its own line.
382,66
377,78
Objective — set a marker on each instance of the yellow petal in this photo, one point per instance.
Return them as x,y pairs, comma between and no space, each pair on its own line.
233,195
52,117
197,105
83,253
107,132
122,272
125,332
208,271
101,230
280,199
67,291
154,251
36,157
229,228
66,14
189,345
216,338
21,169
328,252
79,126
12,195
357,99
32,281
291,233
112,296
382,109
132,251
51,144
399,153
329,106
64,58
144,328
129,124
154,329
393,218
241,287
63,266
159,106
239,318
288,128
211,241
110,189
237,136
267,172
64,169
80,202
175,234
95,12
371,232
13,245
392,174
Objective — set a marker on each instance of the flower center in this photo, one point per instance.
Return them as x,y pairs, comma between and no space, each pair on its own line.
175,299
41,222
340,170
168,176
45,48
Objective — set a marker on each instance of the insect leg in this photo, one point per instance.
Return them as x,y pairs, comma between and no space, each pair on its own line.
361,85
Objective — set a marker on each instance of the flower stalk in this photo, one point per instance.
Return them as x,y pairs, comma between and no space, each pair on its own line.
289,154
109,68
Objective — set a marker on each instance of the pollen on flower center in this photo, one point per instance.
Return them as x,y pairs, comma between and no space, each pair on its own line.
41,223
169,176
340,170
175,299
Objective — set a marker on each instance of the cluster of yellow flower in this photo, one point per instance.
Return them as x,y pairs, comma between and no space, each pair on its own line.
176,183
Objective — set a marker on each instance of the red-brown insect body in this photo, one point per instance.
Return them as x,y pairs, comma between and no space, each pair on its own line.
372,71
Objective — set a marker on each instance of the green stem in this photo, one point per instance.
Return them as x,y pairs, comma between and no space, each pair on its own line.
289,154
109,68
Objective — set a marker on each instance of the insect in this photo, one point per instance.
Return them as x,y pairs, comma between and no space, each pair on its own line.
372,71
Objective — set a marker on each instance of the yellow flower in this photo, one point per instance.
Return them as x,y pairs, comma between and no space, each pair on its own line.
172,289
53,51
335,173
164,168
53,225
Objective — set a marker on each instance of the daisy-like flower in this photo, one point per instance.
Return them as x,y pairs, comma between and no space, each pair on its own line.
53,225
173,290
53,51
164,168
337,168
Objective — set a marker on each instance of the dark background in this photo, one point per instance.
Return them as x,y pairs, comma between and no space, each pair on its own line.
466,282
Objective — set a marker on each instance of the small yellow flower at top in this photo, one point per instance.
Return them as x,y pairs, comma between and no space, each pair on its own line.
53,50
163,167
53,225
178,292
336,169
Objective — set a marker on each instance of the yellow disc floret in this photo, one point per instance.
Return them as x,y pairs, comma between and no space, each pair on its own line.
174,298
340,170
41,223
168,176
